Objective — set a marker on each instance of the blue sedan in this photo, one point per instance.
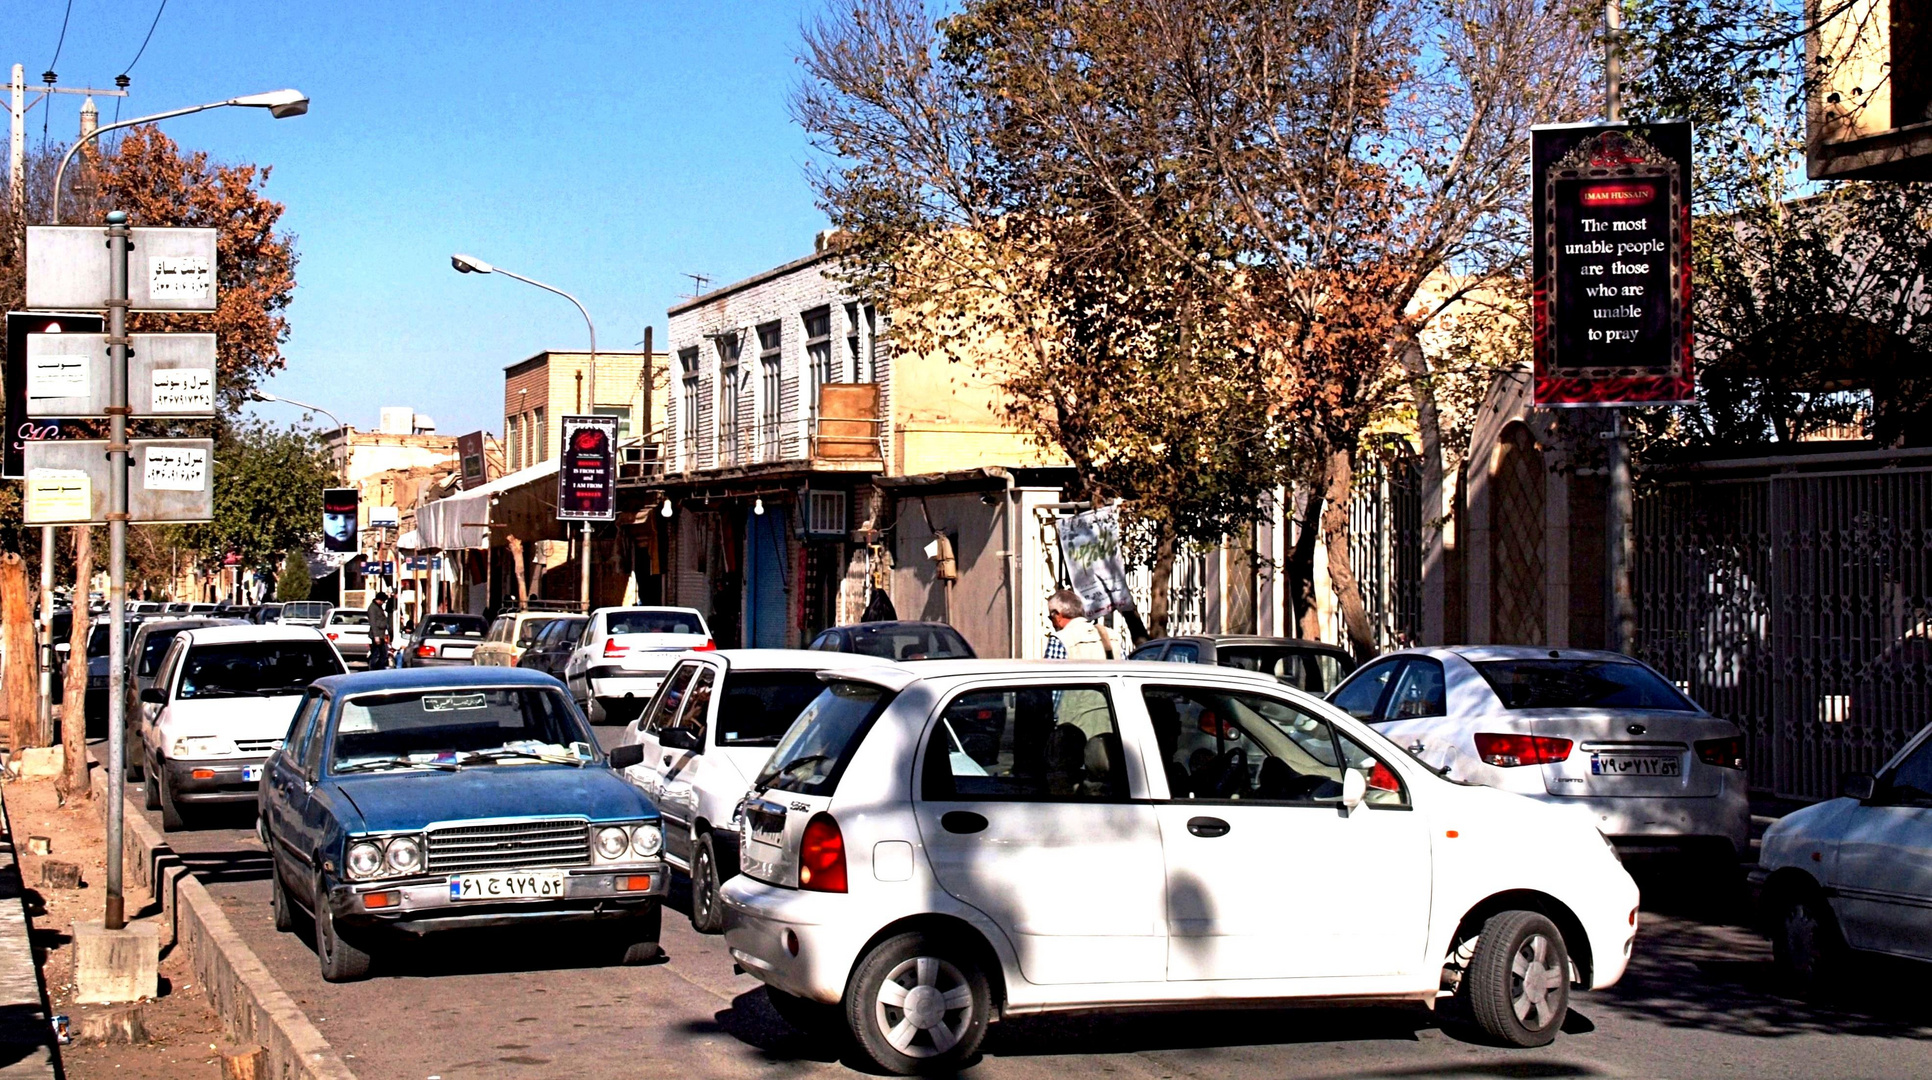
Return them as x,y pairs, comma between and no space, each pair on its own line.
434,798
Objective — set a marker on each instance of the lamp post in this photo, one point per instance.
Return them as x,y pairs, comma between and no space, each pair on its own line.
263,395
470,264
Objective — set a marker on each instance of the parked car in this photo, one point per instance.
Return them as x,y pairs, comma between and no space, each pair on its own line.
100,636
1576,727
145,652
1853,874
143,607
1314,666
442,640
708,731
930,843
509,635
201,609
304,613
219,706
625,653
179,608
264,614
348,629
896,641
421,800
550,652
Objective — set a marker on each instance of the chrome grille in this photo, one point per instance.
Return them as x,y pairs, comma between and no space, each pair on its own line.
257,746
508,845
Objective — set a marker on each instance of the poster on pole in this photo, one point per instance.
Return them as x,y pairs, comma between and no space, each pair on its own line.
475,464
1612,275
587,472
1090,546
23,327
339,512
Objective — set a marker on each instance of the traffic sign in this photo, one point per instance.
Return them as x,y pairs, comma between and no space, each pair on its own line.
170,480
169,269
168,375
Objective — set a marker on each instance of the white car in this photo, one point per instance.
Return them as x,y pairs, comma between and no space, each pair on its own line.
707,733
348,630
1854,872
625,653
933,848
1577,727
221,702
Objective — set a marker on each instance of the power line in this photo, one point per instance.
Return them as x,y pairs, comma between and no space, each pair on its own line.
145,40
58,45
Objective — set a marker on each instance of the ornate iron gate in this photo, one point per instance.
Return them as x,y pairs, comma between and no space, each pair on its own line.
1797,605
1385,541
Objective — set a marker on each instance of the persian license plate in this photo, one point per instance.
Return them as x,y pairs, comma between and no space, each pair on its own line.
1607,764
251,773
459,652
508,885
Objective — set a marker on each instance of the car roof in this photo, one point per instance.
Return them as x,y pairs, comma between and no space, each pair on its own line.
229,632
897,622
1251,639
648,607
790,659
187,622
897,677
436,678
1481,653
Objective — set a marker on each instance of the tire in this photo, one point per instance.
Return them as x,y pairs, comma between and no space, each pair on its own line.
707,912
639,936
278,903
342,957
151,791
918,1004
1517,986
172,819
1806,943
131,758
813,1018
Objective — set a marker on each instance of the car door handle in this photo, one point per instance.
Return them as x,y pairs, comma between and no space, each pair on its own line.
1207,826
961,821
667,759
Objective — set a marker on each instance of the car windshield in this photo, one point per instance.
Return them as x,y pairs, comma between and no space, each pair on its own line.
256,668
909,642
813,753
349,618
468,727
653,622
759,706
305,609
528,632
454,626
153,649
1580,684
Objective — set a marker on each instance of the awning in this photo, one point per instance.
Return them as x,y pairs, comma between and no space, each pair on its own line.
463,521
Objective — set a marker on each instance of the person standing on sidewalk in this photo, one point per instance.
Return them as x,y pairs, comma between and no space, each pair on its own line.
1074,636
379,622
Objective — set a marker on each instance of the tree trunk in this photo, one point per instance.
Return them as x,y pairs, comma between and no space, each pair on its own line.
73,725
516,559
1158,590
1300,569
1340,481
22,673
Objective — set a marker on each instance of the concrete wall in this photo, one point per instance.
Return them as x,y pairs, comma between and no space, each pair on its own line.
980,612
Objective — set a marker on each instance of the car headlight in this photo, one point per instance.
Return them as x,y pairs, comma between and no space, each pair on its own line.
405,855
365,859
647,840
196,746
611,841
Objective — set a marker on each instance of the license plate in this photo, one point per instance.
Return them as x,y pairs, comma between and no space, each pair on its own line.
251,773
456,653
515,885
1602,764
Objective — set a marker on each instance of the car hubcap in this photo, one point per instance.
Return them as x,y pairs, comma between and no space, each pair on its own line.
1535,979
704,885
1800,937
925,1006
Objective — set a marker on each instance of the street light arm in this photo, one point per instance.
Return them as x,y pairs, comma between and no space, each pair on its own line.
261,395
277,103
580,310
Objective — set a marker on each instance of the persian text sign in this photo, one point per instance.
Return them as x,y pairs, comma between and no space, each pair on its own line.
1612,264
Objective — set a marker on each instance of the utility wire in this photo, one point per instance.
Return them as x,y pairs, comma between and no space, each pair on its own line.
59,44
145,40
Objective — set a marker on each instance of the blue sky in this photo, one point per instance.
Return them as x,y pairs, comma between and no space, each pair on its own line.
605,148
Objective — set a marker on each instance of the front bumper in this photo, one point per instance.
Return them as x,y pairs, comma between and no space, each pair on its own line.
1642,825
420,905
215,780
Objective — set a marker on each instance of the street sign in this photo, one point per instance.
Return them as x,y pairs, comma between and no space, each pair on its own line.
168,375
587,473
475,465
168,269
169,480
1612,285
22,328
423,562
378,569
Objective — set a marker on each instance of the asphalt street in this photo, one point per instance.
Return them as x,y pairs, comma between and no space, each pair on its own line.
1700,1000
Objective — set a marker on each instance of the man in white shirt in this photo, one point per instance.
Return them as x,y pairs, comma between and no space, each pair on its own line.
1074,636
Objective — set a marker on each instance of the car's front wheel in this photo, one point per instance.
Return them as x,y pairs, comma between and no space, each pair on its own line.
918,1003
638,937
1805,941
172,818
151,791
278,902
707,911
343,959
1517,985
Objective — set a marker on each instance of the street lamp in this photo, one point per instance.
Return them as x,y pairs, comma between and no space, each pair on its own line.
263,395
470,264
280,104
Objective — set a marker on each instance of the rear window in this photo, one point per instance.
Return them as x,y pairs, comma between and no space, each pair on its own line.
153,649
813,753
453,626
349,618
654,622
1311,670
530,629
909,642
759,706
1580,684
256,668
305,609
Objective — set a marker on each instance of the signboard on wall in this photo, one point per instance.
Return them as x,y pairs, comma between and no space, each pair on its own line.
1612,285
587,472
475,469
339,519
21,428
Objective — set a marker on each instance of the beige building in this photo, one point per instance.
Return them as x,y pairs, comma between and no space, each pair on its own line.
538,390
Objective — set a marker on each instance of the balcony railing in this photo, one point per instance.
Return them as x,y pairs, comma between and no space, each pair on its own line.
846,427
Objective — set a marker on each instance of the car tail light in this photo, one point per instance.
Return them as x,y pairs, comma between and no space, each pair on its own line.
1509,751
1723,753
332,635
706,647
821,856
425,650
614,648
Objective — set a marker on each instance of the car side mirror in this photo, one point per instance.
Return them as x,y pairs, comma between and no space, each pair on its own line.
1858,785
154,695
1354,789
625,756
678,739
63,648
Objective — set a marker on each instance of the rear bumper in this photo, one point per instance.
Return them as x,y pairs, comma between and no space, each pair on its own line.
222,781
1641,824
758,919
422,905
618,684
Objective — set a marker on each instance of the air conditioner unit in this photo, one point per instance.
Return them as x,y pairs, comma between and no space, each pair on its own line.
824,513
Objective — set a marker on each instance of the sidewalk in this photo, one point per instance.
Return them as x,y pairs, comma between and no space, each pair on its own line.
26,1032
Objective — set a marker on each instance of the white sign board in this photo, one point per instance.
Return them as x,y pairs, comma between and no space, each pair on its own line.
174,468
168,375
57,495
57,364
168,269
169,480
182,390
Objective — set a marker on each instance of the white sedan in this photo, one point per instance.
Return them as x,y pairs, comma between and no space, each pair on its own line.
1854,872
1591,730
932,848
625,654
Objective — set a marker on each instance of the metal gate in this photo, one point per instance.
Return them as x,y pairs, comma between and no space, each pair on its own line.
1385,541
1795,605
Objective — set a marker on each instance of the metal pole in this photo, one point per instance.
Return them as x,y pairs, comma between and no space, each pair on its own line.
1620,553
117,461
46,628
1613,60
17,145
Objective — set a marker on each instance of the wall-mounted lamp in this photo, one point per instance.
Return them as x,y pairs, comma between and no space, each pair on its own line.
758,506
664,508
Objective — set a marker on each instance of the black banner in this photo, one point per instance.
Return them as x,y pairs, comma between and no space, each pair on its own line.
587,472
20,428
339,513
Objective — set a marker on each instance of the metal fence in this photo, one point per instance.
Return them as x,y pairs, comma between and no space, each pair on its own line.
1385,541
1796,605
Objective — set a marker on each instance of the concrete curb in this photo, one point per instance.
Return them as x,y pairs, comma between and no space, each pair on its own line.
26,1033
251,1004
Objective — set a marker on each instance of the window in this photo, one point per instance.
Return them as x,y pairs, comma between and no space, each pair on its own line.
1182,652
688,422
1580,684
622,413
664,709
513,431
852,342
728,387
697,706
153,649
309,754
1361,695
771,387
256,668
653,622
500,629
1237,746
818,349
1034,742
759,706
1148,652
870,372
1911,783
500,726
542,427
825,513
527,633
910,641
1419,692
812,756
453,626
295,743
1305,669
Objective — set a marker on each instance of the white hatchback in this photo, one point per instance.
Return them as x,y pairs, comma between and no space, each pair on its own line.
1582,728
929,850
625,653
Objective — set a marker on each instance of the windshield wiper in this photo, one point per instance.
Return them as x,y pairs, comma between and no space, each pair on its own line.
396,763
483,756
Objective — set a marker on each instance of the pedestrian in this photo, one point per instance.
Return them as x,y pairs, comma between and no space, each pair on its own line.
1074,636
379,631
